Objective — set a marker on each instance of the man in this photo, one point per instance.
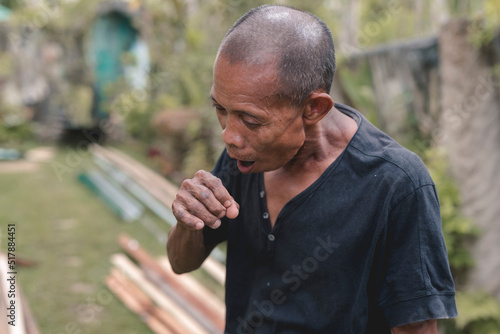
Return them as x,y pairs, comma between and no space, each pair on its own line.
332,227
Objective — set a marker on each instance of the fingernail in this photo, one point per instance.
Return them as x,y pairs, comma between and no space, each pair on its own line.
222,214
227,203
199,225
216,224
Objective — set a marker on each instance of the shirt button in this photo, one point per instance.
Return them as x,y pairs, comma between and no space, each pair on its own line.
265,215
262,194
271,237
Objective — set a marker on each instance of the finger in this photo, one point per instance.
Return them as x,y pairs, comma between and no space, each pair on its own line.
199,210
215,185
233,210
196,187
208,199
186,200
187,219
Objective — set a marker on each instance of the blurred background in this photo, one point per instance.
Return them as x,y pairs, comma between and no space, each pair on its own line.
104,110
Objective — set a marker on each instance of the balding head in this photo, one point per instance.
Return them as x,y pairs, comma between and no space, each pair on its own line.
298,43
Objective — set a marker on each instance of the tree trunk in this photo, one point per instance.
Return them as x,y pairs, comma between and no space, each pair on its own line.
470,131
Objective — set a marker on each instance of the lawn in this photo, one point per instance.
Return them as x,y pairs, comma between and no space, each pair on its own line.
70,234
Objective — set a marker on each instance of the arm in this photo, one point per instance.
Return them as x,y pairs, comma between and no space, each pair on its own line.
185,248
424,327
201,201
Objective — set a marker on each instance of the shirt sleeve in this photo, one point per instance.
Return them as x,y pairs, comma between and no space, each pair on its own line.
414,278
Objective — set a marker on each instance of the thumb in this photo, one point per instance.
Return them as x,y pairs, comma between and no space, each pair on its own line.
233,210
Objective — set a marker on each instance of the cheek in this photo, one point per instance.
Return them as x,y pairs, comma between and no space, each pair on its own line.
285,145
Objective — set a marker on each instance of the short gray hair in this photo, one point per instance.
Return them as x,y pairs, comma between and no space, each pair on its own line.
299,42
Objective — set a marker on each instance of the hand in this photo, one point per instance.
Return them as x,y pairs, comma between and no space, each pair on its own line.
203,200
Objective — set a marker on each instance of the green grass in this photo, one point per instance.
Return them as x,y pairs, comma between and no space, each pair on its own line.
71,234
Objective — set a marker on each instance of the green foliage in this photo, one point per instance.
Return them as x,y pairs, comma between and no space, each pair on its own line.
477,307
6,65
14,125
383,21
16,133
9,3
458,231
357,82
132,107
485,25
479,313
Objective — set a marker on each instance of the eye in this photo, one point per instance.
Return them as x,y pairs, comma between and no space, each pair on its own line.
250,124
219,108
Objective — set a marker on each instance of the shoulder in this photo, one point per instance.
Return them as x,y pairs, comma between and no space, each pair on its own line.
374,148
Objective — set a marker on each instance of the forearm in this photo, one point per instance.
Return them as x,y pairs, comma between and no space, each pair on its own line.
424,327
185,249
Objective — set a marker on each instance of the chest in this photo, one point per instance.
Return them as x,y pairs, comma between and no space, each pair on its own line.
280,190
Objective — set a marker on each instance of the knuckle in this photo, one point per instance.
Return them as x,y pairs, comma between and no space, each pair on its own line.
187,183
179,213
213,210
205,193
180,197
200,174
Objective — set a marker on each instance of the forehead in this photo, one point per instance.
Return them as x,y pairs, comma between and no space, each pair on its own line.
259,81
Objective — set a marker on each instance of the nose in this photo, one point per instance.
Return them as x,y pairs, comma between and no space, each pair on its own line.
230,134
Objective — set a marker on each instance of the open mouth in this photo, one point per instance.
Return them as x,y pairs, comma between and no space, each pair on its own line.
245,166
247,163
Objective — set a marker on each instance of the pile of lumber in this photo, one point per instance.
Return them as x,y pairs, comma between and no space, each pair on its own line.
19,319
165,301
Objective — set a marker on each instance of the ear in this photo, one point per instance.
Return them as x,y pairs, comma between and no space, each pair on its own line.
318,105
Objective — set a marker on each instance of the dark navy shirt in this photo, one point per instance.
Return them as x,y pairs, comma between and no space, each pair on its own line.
361,250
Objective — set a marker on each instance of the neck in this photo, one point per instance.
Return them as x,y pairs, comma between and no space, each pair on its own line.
325,141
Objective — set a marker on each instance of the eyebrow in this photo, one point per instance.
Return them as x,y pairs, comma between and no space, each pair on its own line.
213,99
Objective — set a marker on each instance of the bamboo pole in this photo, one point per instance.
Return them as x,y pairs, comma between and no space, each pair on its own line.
134,250
163,182
4,327
138,295
190,283
138,177
157,319
29,319
134,188
166,318
155,183
215,269
166,288
124,291
127,298
183,318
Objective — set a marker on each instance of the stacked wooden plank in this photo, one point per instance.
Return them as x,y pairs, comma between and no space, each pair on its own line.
167,302
19,319
163,190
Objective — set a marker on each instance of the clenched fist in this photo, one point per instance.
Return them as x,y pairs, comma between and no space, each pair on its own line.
203,200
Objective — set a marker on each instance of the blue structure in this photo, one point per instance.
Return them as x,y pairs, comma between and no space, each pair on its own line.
112,35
